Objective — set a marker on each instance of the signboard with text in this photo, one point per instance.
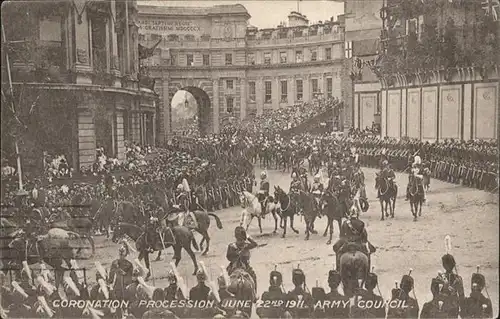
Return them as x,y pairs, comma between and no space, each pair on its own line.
173,26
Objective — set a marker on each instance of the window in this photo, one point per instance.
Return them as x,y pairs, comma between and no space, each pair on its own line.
329,87
267,58
283,57
298,56
251,59
314,83
348,49
190,60
172,37
173,59
251,91
229,59
229,104
299,90
206,59
284,91
189,37
328,53
229,84
267,96
314,54
99,51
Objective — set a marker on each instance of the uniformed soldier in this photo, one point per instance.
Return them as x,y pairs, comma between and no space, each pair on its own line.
408,308
238,253
452,289
263,193
295,185
300,302
173,291
339,304
388,174
186,217
274,298
120,272
417,175
477,305
317,190
434,308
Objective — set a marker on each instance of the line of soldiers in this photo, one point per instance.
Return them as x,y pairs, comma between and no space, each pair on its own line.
34,295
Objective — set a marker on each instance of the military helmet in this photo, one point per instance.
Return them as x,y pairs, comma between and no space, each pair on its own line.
294,175
263,175
435,286
240,233
180,187
334,278
478,280
136,272
371,281
407,283
275,278
448,262
298,277
123,250
171,277
200,275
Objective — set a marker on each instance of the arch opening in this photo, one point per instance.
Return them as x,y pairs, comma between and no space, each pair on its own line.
190,112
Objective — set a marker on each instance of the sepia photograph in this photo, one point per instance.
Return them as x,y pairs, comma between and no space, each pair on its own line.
258,159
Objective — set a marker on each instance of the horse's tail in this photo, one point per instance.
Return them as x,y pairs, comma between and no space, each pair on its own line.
217,220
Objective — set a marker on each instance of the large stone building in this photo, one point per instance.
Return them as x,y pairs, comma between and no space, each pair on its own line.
75,74
235,70
423,69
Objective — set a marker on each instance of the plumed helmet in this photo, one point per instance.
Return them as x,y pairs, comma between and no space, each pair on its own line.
200,275
448,262
334,278
417,160
316,178
407,283
298,277
240,233
180,187
364,205
385,163
171,277
371,281
294,175
479,280
263,175
275,278
123,250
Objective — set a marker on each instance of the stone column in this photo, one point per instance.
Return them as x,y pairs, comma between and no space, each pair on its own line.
243,98
306,83
292,93
165,100
86,133
82,54
115,63
215,105
276,96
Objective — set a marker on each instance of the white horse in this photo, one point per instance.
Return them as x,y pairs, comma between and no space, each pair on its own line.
252,208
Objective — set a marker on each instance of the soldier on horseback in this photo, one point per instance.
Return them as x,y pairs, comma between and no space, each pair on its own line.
388,174
416,176
317,190
295,185
238,253
263,193
183,200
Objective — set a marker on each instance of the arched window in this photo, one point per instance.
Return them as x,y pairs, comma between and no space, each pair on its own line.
189,37
173,37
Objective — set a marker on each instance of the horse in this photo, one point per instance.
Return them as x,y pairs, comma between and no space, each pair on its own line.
178,237
80,225
427,179
354,267
387,196
308,207
416,196
287,208
243,287
253,209
333,210
53,248
203,221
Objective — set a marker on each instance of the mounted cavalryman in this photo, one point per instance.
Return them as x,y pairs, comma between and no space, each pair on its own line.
263,193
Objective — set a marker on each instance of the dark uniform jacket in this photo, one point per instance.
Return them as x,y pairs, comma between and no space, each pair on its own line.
477,306
270,303
303,303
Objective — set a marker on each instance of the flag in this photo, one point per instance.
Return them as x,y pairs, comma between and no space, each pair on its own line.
492,7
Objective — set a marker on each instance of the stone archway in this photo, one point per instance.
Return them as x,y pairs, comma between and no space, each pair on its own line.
204,109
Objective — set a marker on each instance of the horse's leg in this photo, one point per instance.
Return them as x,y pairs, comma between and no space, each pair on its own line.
284,220
308,228
330,226
382,209
191,254
275,222
158,257
291,225
312,226
146,262
393,205
207,238
251,218
260,223
92,244
202,241
329,219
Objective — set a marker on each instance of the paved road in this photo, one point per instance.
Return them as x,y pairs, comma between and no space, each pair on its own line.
469,216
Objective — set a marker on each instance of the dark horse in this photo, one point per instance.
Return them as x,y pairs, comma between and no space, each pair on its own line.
354,268
288,209
178,237
387,195
416,195
203,221
334,212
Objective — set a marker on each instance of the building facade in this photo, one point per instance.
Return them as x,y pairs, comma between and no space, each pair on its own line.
236,71
75,68
423,69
